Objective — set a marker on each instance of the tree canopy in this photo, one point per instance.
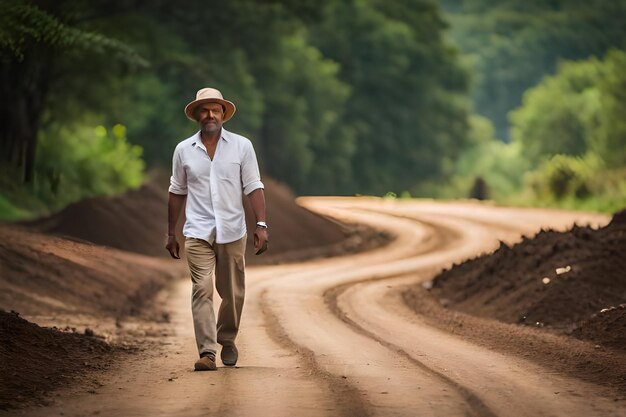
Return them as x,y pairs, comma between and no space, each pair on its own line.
512,44
578,110
339,97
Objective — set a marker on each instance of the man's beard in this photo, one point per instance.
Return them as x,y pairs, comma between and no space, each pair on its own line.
211,128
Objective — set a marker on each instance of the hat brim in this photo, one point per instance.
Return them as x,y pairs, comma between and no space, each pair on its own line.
229,108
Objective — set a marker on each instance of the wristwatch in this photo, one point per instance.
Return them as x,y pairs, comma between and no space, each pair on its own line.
261,224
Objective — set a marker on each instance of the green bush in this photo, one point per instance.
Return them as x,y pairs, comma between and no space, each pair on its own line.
84,162
10,211
563,176
583,183
72,164
578,109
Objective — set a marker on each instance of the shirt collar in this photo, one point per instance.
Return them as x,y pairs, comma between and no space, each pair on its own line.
225,135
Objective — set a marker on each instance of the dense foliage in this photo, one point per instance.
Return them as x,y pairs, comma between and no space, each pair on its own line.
580,109
512,44
338,96
571,126
568,142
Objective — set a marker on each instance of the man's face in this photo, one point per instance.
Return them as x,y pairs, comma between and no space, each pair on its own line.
210,116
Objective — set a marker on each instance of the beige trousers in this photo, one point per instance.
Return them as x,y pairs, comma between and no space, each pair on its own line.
226,262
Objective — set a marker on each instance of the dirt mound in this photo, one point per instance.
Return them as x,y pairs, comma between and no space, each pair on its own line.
70,280
72,284
137,222
607,328
36,359
297,234
47,275
556,280
619,217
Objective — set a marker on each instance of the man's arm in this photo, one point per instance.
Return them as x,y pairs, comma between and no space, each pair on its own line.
261,236
175,204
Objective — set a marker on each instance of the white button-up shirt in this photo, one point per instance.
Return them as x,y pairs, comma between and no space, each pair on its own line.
214,188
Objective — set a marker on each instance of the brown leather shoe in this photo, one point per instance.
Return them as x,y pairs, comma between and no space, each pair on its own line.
205,363
229,355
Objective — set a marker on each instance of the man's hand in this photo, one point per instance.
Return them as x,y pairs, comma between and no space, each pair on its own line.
173,247
261,238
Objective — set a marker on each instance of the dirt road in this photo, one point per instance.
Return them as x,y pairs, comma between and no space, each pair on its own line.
334,337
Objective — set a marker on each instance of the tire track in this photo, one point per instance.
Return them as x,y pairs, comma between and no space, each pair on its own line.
368,373
414,372
444,238
346,396
478,407
544,403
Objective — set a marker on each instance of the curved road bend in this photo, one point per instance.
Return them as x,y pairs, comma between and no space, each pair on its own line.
333,337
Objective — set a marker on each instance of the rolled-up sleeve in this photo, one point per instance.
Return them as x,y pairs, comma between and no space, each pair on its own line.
178,180
250,176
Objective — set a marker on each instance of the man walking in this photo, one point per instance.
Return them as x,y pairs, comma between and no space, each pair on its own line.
211,169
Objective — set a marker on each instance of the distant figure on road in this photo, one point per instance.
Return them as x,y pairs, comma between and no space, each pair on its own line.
212,169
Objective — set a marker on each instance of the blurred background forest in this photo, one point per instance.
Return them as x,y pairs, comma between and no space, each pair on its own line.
519,101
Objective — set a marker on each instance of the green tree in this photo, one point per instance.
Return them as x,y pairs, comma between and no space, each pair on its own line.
406,108
512,44
576,111
75,162
40,43
571,125
559,115
303,106
338,97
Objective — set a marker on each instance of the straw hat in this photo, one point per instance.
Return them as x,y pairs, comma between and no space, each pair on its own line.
210,95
